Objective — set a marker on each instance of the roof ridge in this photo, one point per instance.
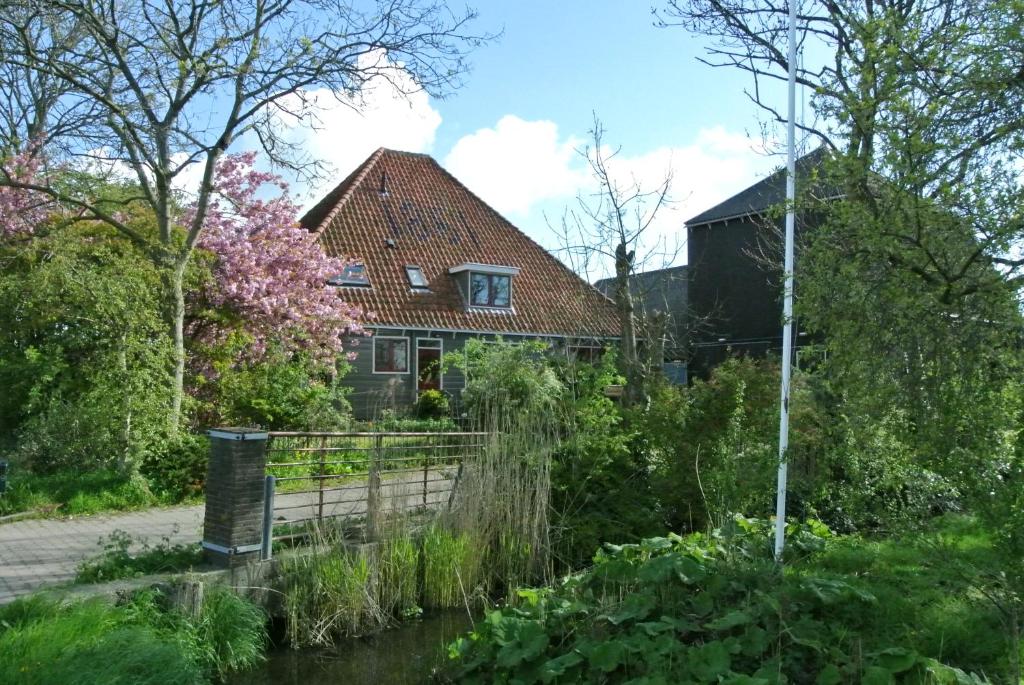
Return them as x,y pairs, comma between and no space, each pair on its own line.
352,181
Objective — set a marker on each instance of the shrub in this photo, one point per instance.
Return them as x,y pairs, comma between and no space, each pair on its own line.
696,609
432,404
176,469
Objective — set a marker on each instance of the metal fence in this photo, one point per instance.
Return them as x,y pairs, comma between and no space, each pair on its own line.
359,477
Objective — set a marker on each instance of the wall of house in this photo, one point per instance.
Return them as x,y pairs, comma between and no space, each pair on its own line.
734,297
371,392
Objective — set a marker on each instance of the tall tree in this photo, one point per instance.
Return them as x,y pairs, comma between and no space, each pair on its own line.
922,95
613,224
160,85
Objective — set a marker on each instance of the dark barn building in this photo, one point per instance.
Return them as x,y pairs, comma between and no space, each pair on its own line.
735,271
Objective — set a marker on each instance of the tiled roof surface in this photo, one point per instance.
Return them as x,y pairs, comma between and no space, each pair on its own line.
763,195
436,223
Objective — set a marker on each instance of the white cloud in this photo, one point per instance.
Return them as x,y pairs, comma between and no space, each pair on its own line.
522,167
390,111
517,164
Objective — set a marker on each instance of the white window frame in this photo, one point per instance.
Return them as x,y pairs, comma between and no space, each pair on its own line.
373,368
440,360
408,278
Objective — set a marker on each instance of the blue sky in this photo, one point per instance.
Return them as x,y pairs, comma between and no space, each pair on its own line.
510,132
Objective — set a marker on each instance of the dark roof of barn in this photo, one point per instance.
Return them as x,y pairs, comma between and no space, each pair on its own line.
763,195
434,222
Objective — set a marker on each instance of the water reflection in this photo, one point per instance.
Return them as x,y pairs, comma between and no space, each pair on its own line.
405,654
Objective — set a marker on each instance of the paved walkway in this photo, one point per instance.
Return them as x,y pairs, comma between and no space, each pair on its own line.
37,553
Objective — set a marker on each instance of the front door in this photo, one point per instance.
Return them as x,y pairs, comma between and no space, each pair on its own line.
428,365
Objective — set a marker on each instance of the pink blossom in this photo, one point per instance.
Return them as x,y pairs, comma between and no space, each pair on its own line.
22,211
270,272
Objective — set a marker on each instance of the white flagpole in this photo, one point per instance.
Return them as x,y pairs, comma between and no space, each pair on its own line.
787,305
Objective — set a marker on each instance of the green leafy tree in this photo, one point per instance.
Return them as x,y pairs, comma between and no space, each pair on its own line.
82,351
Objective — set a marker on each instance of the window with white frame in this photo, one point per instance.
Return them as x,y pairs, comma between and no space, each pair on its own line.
416,278
390,354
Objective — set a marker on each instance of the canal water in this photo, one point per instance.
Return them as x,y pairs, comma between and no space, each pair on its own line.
403,655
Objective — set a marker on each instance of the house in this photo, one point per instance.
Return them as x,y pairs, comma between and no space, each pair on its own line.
735,270
661,295
436,266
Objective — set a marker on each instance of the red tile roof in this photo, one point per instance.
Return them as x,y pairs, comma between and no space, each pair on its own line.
437,223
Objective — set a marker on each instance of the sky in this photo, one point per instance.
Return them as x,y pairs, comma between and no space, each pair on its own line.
512,131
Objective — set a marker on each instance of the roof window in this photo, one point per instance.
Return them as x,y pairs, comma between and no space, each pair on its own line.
354,276
416,278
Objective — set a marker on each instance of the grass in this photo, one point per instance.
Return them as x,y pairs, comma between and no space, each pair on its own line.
77,493
137,642
451,567
928,587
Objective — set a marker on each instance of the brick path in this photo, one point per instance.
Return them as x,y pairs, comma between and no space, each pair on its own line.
37,553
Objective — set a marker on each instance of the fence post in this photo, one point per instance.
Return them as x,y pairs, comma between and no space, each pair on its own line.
233,523
269,486
320,480
373,489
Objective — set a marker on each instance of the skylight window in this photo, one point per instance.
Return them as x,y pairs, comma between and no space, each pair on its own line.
354,275
416,278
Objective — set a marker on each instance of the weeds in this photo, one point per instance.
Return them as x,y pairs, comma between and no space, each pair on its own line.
117,560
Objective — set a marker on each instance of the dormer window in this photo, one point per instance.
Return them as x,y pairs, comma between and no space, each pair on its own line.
417,281
485,285
353,276
490,290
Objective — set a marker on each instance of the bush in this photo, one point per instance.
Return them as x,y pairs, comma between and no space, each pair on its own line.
432,404
700,609
176,469
600,486
284,392
118,560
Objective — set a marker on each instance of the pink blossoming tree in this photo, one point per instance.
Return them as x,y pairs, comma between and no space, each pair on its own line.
269,272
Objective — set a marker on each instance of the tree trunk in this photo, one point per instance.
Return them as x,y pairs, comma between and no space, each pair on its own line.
176,321
635,393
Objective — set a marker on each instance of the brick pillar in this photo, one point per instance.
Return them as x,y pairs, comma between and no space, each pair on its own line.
234,495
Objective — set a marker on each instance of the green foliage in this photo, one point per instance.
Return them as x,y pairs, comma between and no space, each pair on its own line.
391,422
176,468
284,391
327,595
398,579
119,560
702,609
432,404
451,567
713,447
83,354
600,486
503,378
140,641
